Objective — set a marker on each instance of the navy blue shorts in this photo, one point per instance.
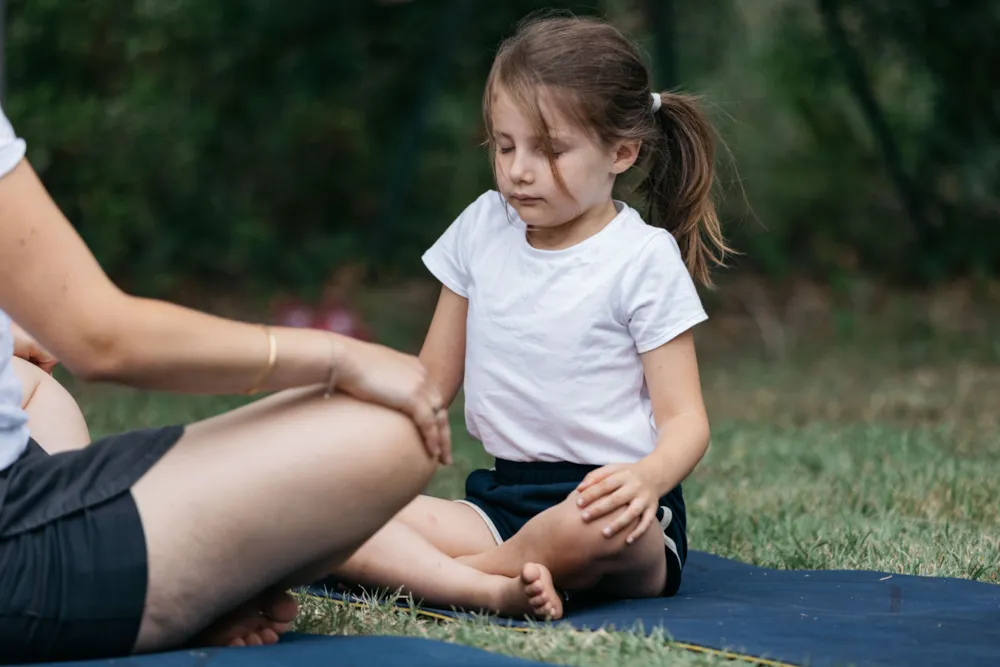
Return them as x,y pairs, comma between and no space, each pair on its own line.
512,493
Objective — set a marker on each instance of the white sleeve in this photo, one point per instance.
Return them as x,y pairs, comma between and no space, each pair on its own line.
12,148
660,300
449,258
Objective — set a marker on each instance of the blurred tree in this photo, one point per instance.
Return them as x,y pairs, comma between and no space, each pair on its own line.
895,98
261,142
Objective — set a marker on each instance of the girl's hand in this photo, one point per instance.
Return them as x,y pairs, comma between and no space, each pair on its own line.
27,348
620,485
378,374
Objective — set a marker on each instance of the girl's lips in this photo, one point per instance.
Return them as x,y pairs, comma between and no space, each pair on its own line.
524,199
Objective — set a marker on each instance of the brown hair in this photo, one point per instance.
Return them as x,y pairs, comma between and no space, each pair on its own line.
603,87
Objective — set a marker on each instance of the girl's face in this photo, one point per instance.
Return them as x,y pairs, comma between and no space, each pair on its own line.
524,175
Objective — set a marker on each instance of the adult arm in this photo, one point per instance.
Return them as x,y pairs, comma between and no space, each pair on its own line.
27,348
52,285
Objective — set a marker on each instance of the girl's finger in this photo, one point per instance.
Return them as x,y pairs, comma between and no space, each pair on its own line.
604,506
595,476
600,489
634,511
647,519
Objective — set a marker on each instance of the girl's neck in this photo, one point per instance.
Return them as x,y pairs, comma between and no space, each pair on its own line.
575,231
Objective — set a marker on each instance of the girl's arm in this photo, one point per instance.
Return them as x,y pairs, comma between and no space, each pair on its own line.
672,376
679,410
52,286
443,353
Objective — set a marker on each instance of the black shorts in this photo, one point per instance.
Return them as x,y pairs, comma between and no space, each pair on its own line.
73,569
511,493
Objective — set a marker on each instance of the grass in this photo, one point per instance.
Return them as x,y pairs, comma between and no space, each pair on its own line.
867,445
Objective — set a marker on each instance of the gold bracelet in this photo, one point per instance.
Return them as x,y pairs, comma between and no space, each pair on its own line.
272,356
331,382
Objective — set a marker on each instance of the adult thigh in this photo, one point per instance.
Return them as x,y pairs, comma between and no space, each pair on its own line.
246,499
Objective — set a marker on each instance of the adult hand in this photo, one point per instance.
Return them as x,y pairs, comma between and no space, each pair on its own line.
29,349
378,374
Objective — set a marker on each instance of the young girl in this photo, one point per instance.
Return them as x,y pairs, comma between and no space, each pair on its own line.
570,319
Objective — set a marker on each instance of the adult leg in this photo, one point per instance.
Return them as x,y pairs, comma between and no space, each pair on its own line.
55,420
415,552
579,556
57,424
269,495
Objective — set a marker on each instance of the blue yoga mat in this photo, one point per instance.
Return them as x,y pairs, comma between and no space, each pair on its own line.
316,651
820,618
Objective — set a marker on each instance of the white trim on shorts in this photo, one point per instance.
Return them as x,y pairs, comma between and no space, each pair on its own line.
487,520
668,541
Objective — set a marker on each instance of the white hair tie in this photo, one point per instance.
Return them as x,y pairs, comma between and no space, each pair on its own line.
657,101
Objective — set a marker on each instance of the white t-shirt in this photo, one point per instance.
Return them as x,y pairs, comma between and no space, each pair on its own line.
13,420
552,365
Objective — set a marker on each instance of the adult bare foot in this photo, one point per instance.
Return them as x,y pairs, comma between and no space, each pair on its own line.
259,622
532,594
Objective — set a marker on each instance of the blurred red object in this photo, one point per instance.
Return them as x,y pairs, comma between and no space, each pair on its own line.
343,319
332,315
293,313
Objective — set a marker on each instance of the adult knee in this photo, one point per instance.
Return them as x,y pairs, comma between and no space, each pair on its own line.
54,418
31,378
402,445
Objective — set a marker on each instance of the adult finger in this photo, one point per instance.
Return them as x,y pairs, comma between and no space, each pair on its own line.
423,415
444,429
440,419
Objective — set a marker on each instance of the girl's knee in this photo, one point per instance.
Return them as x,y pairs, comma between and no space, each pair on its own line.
595,556
587,538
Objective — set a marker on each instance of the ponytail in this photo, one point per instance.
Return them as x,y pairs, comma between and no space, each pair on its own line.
679,184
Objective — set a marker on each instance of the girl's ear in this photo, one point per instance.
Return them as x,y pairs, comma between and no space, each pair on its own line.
625,155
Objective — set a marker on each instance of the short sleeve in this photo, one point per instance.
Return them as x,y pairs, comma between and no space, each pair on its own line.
12,148
449,258
659,299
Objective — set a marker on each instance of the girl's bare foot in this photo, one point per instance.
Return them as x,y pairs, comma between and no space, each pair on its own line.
532,594
258,622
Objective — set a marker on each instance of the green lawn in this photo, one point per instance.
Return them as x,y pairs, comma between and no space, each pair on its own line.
871,447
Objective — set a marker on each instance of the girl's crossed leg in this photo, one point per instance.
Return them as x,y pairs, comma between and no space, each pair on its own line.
419,551
443,553
580,557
